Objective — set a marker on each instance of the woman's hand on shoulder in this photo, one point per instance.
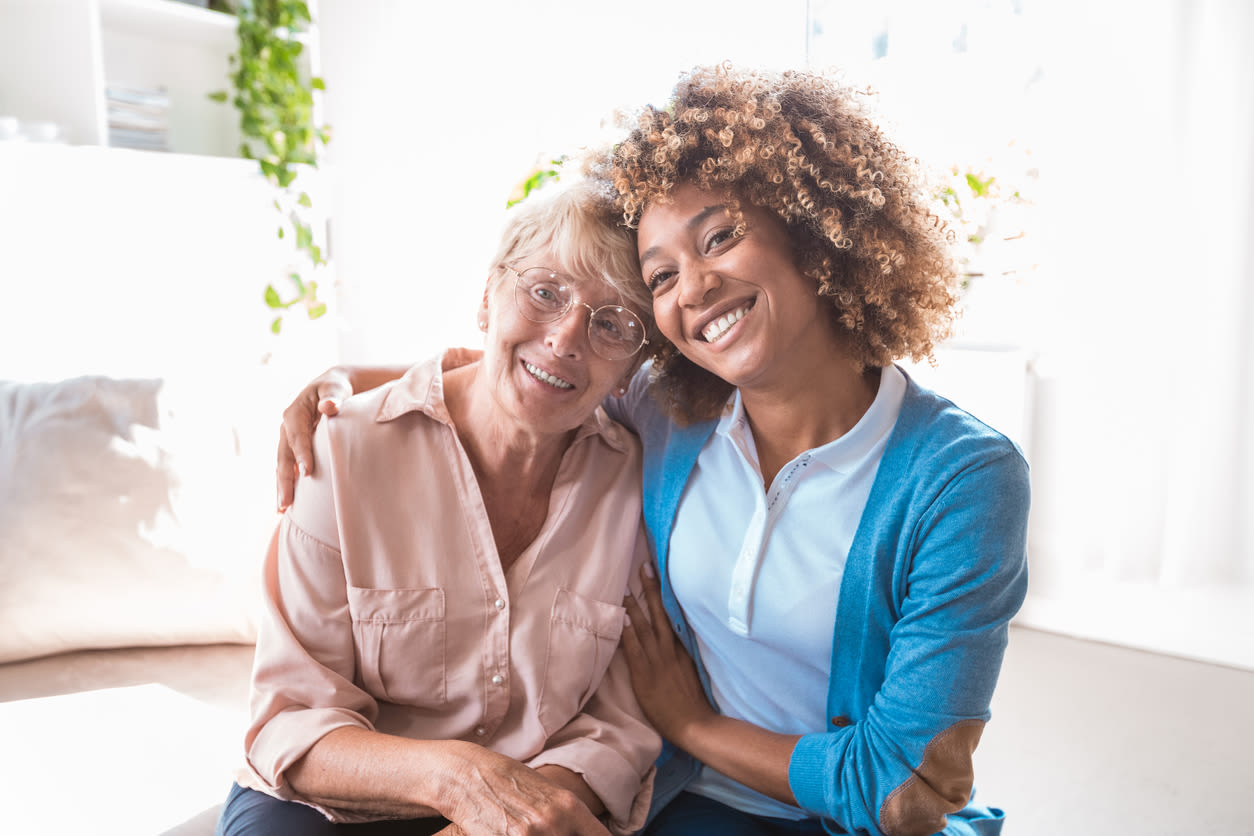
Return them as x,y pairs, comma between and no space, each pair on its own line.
322,396
499,795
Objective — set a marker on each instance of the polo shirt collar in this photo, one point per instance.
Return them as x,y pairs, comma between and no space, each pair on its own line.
840,454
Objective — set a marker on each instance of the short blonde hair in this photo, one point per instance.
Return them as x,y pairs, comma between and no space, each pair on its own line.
577,220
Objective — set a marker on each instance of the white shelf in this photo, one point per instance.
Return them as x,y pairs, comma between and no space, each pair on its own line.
162,20
57,56
182,50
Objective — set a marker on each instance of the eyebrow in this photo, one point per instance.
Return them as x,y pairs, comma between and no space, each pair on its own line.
693,222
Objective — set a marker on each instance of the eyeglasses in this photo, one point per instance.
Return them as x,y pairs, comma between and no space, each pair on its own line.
544,295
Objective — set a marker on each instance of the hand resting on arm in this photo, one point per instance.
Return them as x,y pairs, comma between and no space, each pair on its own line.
669,691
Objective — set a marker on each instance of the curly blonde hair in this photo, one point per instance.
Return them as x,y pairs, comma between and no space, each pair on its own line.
799,144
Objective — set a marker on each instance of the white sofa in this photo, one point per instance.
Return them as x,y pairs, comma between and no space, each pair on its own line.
133,519
134,508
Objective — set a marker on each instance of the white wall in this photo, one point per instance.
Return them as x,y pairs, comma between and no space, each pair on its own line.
438,109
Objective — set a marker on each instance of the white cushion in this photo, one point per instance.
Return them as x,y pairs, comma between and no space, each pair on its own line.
131,514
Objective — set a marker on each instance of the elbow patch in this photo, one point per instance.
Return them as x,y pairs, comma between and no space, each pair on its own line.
940,785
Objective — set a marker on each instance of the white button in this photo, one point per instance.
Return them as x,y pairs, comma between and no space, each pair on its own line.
499,604
497,679
481,731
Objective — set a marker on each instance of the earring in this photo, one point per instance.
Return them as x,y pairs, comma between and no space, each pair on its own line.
483,324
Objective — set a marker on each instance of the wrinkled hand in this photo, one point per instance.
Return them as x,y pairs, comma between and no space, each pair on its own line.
498,795
663,675
322,396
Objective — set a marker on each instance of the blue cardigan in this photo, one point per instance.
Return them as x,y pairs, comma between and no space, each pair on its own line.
934,574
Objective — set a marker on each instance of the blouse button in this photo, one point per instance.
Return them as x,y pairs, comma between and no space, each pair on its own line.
497,679
841,721
499,604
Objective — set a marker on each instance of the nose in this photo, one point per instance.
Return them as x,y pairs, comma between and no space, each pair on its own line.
568,335
695,284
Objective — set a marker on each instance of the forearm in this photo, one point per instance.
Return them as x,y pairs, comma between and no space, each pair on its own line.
752,755
364,771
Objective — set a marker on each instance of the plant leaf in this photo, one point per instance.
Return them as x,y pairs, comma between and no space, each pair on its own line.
275,103
979,186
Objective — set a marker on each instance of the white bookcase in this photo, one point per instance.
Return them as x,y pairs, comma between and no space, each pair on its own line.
57,56
127,262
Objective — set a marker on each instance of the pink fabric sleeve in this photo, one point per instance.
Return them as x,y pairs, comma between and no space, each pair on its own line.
303,671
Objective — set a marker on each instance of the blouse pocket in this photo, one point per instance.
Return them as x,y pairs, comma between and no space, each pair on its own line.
583,635
400,637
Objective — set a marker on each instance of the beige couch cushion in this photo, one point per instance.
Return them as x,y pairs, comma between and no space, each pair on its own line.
130,514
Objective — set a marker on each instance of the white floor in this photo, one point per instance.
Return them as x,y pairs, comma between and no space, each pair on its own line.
1089,738
134,742
1085,739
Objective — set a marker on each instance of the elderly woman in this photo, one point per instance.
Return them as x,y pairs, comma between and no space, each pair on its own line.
444,599
839,550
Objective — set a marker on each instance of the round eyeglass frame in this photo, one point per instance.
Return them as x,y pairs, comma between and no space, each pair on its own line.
523,307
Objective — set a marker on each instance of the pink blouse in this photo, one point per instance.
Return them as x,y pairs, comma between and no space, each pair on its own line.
387,608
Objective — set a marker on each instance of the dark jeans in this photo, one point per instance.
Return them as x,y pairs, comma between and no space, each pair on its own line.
251,813
691,815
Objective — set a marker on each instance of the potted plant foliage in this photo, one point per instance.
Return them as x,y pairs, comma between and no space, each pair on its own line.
275,98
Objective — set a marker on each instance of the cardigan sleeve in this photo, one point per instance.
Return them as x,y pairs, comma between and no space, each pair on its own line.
901,762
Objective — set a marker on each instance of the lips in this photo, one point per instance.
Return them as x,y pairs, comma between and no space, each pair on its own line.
547,377
716,328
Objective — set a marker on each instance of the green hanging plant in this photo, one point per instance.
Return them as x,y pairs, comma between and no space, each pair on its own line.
275,103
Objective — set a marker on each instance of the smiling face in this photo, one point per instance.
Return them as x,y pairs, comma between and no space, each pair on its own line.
733,301
544,377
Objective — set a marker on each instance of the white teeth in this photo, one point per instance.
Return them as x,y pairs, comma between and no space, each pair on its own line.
716,329
543,376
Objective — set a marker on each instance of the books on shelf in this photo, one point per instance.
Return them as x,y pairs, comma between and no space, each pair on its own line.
138,117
